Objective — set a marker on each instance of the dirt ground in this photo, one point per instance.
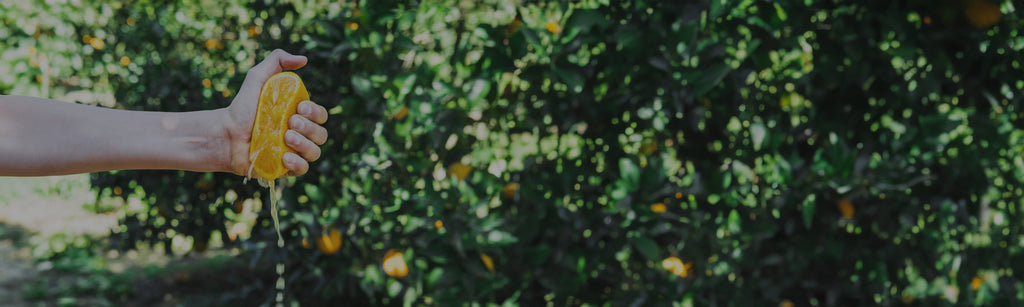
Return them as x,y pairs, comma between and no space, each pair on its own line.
40,206
15,270
32,209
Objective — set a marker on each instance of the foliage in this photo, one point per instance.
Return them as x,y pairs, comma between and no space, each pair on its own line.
812,152
72,271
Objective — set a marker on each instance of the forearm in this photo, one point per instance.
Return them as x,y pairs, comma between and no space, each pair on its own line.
46,137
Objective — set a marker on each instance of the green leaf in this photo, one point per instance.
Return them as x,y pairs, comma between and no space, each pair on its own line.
629,173
808,210
571,78
478,90
647,247
757,134
734,221
404,84
709,78
313,192
498,237
780,12
584,19
717,7
362,85
538,255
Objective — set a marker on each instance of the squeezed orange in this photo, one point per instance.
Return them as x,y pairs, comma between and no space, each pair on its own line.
279,100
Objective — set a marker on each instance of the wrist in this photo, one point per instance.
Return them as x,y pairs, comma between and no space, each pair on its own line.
234,135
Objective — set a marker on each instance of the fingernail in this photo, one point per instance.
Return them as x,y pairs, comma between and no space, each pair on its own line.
292,137
289,160
296,123
304,109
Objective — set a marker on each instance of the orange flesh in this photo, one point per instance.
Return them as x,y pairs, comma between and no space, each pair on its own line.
278,101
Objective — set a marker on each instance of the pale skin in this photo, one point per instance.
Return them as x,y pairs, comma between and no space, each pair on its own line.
42,137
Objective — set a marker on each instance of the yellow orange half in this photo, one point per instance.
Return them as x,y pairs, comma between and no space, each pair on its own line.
279,100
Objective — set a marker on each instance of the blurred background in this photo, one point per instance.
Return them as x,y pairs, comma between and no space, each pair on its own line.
501,152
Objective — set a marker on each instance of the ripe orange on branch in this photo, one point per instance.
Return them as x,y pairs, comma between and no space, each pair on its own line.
394,265
676,266
510,190
329,242
982,13
278,101
846,208
459,171
488,262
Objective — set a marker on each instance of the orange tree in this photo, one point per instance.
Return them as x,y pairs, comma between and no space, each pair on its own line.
644,152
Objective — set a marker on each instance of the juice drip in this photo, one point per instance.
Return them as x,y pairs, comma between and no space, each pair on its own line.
273,212
279,286
279,300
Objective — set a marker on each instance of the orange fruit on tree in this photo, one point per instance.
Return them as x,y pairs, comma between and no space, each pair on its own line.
254,30
553,28
459,171
510,190
394,265
982,13
846,207
96,43
329,242
488,262
278,101
676,266
213,44
401,113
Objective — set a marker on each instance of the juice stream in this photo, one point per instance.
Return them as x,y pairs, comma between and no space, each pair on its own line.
279,268
279,301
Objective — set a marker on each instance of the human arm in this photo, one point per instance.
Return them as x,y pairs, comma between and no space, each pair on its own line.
41,137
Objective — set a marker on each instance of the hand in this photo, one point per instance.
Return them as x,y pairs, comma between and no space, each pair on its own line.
305,132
